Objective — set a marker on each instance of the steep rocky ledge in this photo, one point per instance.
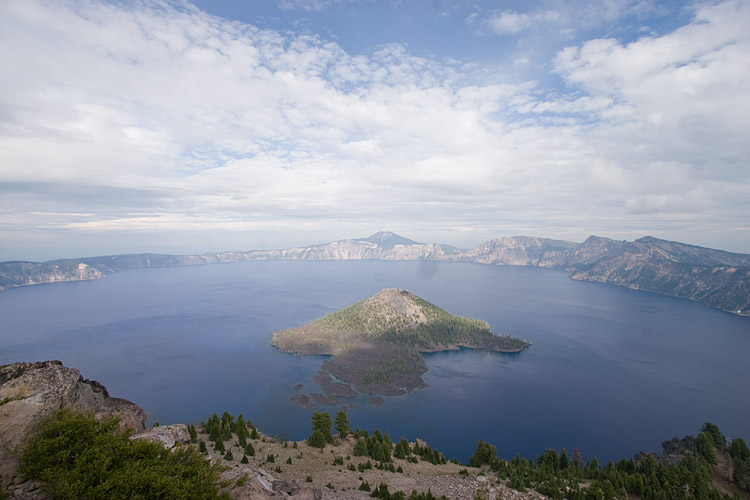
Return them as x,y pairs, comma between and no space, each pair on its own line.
29,392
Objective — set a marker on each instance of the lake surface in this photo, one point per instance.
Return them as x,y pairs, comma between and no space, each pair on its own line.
611,371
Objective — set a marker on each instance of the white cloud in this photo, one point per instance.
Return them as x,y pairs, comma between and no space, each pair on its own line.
566,18
154,118
681,96
309,5
511,23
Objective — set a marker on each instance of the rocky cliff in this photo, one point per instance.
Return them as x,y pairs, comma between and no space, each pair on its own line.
518,251
29,392
380,246
711,277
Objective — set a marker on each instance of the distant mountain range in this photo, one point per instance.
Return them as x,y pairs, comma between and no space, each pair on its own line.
714,278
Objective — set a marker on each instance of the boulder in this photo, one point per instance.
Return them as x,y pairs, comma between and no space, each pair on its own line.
168,435
258,489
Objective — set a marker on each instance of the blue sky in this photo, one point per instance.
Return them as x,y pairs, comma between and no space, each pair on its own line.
181,127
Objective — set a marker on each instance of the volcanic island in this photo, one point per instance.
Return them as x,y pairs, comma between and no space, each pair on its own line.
376,345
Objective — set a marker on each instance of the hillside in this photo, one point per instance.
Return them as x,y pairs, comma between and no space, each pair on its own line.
376,343
82,453
711,277
714,278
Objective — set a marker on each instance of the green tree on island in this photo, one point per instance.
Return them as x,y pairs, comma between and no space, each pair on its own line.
342,424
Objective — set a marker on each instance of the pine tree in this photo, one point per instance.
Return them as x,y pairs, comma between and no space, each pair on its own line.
739,449
321,422
484,454
402,449
219,446
241,427
342,424
564,459
316,439
360,449
704,447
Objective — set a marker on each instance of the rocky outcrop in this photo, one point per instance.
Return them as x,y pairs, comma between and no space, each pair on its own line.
673,451
260,485
29,392
168,436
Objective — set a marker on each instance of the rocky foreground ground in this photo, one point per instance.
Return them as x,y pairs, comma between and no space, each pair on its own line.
29,392
314,469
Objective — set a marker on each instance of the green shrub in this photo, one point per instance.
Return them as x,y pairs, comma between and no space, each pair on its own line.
76,456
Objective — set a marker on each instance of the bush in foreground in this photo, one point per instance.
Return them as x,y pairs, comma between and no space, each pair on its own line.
76,456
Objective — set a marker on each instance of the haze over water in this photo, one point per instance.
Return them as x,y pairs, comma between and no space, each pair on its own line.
611,371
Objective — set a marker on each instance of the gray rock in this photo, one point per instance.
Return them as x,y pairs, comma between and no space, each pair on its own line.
167,435
33,391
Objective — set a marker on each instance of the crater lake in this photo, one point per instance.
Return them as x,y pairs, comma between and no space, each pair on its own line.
610,371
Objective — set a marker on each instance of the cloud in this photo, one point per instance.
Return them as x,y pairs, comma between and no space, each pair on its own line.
511,23
680,96
156,118
567,18
308,5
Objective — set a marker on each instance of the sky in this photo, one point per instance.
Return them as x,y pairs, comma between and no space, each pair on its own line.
177,127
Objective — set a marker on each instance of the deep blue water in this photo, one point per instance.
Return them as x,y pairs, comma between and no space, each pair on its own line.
611,371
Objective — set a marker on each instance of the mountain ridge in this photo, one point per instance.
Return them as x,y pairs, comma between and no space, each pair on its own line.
714,278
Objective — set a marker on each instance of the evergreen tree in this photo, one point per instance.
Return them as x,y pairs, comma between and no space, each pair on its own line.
219,446
249,450
484,454
360,449
715,434
342,424
193,433
316,439
241,427
321,422
704,447
564,459
227,426
739,450
213,427
577,460
402,449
